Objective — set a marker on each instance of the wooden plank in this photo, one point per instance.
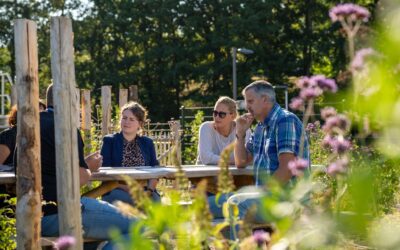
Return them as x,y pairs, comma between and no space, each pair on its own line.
123,97
29,182
86,110
63,73
105,110
133,93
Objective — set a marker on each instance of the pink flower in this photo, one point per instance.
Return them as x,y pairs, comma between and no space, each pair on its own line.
298,166
297,104
338,123
305,82
337,167
328,112
359,59
261,237
324,83
310,93
349,11
64,242
340,146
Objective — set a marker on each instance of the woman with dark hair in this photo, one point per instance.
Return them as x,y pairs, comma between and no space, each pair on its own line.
129,149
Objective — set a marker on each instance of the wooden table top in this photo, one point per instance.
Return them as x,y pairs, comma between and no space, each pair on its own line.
144,173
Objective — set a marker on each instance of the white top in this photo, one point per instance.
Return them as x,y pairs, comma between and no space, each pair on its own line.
211,143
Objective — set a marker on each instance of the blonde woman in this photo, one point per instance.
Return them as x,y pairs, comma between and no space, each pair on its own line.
215,135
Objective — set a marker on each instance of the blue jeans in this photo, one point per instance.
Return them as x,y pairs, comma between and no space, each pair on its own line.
216,206
98,217
118,194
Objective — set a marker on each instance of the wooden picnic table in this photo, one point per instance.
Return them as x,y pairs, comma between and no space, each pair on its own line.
112,176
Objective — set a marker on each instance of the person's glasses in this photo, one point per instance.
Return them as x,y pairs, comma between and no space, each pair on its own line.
221,114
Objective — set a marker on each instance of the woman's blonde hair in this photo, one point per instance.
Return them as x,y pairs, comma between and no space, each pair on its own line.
229,102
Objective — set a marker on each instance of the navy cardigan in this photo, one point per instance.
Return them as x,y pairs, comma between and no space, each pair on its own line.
113,147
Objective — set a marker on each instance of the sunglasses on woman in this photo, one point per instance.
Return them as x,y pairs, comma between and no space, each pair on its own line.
221,114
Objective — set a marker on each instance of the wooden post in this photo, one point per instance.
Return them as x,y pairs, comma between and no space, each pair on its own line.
77,112
175,127
133,93
29,181
123,97
105,109
86,109
14,94
86,118
67,163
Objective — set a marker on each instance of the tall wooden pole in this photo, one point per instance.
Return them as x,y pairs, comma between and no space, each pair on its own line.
133,93
29,182
105,109
67,163
123,97
86,118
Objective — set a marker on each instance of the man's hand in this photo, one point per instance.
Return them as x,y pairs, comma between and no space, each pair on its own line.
94,161
243,123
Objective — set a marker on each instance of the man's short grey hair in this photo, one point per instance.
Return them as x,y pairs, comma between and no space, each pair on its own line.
262,88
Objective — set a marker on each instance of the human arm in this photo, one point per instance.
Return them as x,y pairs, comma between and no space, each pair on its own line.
84,176
242,156
94,161
206,155
283,174
4,153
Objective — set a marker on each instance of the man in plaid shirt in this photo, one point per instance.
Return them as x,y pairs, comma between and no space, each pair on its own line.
276,138
275,142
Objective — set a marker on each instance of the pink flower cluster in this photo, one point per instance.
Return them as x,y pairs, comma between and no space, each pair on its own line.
336,124
335,127
261,238
310,88
339,145
349,11
298,166
64,242
337,167
359,59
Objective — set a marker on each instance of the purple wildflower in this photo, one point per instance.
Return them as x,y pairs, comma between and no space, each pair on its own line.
297,104
311,127
349,11
310,93
328,112
327,141
339,145
261,237
304,82
64,242
359,59
335,123
324,83
297,166
337,167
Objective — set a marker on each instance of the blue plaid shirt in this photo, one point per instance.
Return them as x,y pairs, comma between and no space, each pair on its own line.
279,133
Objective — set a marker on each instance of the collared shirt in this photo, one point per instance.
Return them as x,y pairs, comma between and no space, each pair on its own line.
279,133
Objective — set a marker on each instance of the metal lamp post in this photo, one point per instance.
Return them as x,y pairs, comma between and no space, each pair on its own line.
234,79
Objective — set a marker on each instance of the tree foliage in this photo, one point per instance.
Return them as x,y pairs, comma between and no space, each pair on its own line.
177,51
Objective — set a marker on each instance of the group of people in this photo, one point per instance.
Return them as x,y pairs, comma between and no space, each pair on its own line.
273,144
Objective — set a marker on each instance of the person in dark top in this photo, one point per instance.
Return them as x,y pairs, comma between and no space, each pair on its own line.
129,149
8,139
98,217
